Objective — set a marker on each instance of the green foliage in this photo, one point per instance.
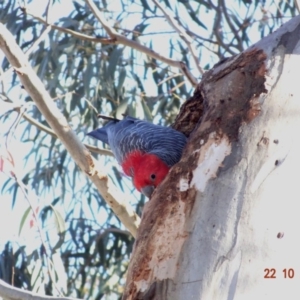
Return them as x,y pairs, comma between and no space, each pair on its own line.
83,249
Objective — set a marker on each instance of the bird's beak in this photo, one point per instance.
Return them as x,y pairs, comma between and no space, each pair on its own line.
147,190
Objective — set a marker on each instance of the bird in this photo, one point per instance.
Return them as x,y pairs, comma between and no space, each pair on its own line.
145,151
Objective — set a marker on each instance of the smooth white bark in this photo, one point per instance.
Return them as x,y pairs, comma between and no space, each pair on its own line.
247,218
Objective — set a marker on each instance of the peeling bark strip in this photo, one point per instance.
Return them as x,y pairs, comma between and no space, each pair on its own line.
229,93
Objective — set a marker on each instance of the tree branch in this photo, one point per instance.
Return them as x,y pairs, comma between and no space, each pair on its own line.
9,292
52,133
49,131
30,50
219,33
231,26
69,31
182,34
120,39
58,122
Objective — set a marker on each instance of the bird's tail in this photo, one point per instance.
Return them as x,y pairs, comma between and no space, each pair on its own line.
99,134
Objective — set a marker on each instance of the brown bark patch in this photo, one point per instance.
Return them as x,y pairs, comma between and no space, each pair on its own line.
227,96
232,93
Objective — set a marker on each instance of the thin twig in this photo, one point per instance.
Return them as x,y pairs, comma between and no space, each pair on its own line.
48,10
199,37
182,34
74,33
117,38
52,133
218,34
168,78
231,26
49,131
120,39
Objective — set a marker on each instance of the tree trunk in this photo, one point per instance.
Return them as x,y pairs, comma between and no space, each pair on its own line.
225,222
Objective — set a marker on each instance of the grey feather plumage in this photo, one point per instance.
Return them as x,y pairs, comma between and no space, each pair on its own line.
131,134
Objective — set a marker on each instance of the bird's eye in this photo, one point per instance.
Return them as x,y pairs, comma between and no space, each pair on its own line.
152,176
